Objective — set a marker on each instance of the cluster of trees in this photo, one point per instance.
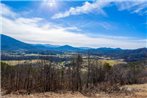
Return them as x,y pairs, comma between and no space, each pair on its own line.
77,76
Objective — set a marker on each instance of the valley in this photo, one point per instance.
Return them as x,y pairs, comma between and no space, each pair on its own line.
74,72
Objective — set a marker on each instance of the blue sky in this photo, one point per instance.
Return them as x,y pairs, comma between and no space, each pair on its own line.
93,23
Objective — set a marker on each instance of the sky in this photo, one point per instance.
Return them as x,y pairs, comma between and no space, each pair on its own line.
79,23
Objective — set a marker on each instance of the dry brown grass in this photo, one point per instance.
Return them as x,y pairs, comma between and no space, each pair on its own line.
138,91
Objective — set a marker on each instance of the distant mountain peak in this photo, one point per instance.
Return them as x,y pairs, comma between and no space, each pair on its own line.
66,46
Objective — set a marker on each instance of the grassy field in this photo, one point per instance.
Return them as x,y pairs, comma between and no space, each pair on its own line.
15,62
112,62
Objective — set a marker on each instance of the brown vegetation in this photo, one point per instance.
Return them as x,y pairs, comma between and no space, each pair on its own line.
44,76
138,91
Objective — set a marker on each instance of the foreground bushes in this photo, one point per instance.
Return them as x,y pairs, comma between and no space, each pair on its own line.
47,76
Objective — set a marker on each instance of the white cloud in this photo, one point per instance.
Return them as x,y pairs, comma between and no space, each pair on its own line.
86,8
29,30
136,6
6,11
28,20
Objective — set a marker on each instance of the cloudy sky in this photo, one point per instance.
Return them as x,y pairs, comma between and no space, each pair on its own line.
80,23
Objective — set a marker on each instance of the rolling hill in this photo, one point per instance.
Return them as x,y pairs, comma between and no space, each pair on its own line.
9,43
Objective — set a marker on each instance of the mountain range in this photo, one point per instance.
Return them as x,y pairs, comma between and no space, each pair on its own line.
9,44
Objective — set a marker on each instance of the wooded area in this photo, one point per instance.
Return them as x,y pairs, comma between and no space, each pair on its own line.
44,76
